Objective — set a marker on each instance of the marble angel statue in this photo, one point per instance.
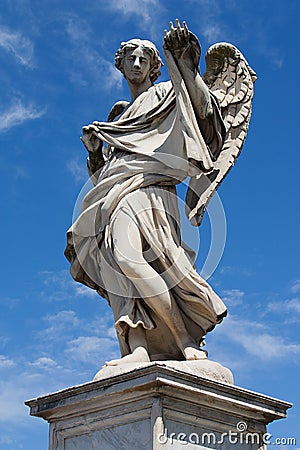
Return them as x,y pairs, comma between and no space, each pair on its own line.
126,243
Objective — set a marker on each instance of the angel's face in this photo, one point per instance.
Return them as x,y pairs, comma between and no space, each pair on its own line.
136,65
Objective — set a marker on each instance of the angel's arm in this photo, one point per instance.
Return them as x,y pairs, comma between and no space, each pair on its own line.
185,49
94,145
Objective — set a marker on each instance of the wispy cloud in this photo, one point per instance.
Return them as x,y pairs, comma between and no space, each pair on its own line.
295,288
233,297
60,358
92,348
61,329
59,286
18,45
11,400
6,362
231,270
27,380
211,26
77,169
59,326
256,339
18,113
91,66
63,318
145,13
85,291
44,363
287,306
141,8
212,32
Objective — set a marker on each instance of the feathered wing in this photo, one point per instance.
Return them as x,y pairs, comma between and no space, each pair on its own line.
231,80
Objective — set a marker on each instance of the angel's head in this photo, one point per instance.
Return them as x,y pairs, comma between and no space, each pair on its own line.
148,56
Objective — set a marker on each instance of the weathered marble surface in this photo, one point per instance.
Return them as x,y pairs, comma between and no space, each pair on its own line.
202,368
136,436
126,242
154,408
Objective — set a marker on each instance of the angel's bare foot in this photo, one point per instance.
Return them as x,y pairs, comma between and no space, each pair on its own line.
192,351
140,354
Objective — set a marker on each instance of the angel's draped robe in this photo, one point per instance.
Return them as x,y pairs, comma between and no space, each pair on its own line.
155,144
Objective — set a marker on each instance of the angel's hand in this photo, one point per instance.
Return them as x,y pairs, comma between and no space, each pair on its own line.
90,139
177,40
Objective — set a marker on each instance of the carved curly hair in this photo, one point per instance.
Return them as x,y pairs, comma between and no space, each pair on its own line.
148,46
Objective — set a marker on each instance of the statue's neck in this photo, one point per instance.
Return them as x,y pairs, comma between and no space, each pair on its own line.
138,89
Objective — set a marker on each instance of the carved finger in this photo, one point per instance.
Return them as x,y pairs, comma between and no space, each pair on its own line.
85,137
178,31
185,29
167,38
87,131
172,26
94,135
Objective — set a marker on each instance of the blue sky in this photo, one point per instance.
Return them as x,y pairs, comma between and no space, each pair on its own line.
57,74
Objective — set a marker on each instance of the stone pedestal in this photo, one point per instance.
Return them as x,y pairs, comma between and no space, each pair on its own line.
157,407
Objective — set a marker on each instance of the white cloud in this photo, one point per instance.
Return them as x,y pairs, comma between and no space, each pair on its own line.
44,362
60,286
256,339
60,279
63,317
18,113
21,385
287,306
18,45
267,347
91,67
76,32
6,362
12,397
233,297
77,169
84,290
59,324
212,32
111,332
114,76
278,62
92,348
210,24
295,288
141,8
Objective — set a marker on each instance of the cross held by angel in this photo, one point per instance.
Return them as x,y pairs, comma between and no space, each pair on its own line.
126,243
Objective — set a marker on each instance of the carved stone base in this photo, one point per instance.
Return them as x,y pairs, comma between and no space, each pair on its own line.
157,407
201,368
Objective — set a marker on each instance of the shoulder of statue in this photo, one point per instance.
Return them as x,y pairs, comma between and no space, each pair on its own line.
117,109
163,88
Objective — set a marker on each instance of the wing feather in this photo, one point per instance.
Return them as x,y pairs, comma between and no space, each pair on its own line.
231,80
